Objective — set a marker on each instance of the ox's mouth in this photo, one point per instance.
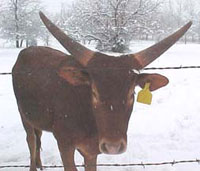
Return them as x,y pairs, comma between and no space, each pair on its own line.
116,147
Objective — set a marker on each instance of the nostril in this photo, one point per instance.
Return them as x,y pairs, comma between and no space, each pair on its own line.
122,148
103,148
112,148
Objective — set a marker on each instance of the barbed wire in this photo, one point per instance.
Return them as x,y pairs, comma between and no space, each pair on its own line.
151,68
167,68
142,164
5,73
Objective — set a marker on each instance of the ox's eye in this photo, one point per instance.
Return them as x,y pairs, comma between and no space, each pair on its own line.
95,94
95,98
131,94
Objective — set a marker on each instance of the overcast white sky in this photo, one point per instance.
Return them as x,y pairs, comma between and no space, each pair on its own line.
54,5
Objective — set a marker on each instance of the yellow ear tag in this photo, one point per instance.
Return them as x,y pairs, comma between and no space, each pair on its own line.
145,96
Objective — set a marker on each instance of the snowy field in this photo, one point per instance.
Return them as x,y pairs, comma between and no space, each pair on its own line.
167,130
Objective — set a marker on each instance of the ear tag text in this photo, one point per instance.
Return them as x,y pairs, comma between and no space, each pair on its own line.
145,96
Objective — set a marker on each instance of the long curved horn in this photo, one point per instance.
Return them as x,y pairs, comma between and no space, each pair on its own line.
81,53
148,55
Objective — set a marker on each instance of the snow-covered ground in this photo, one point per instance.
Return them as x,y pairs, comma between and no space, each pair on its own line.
167,130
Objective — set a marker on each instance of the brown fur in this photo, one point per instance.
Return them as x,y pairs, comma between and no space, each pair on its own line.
55,93
85,100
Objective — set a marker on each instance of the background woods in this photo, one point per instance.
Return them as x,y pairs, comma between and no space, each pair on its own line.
110,24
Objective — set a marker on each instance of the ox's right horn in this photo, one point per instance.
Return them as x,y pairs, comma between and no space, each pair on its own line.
80,52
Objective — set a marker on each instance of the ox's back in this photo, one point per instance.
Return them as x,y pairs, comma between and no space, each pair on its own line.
44,98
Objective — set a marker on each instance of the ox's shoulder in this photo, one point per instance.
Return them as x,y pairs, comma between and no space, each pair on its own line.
41,57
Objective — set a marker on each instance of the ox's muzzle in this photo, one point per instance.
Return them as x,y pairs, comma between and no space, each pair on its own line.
116,147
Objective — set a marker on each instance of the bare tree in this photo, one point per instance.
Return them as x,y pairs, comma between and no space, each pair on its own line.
178,12
112,23
20,21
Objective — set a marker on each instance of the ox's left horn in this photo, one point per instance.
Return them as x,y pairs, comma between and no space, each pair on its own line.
80,52
148,55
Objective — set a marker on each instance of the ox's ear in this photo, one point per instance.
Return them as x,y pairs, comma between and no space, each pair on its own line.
74,75
156,81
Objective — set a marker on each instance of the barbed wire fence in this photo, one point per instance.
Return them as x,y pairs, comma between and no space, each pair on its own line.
142,164
151,68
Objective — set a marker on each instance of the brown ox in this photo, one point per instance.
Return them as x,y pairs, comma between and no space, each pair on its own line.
85,99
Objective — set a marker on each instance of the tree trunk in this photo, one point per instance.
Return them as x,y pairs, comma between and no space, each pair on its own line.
199,37
15,3
27,44
47,41
147,37
17,41
21,43
193,39
185,39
